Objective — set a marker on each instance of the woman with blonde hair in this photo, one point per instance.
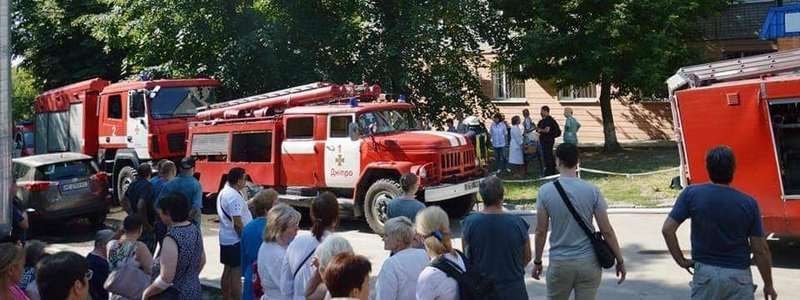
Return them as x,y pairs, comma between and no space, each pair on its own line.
12,262
433,225
332,246
282,226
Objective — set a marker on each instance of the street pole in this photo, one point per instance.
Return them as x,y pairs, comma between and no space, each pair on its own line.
5,119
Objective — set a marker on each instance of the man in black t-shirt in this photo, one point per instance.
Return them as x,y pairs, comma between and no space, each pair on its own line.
548,132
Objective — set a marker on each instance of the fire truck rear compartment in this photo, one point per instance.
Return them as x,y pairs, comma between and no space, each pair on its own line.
785,116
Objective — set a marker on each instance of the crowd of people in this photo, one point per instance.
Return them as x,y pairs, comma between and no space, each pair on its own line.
522,142
260,240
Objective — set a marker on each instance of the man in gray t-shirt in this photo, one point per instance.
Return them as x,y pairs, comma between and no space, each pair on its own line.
573,265
567,239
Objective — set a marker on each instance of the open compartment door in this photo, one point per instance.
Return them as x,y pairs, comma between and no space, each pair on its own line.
785,120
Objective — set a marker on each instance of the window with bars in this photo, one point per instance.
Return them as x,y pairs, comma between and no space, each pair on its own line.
586,92
506,87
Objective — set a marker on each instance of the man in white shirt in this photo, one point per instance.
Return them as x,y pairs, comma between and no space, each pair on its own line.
233,216
499,135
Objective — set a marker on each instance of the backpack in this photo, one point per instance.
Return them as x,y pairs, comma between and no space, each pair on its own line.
472,285
556,131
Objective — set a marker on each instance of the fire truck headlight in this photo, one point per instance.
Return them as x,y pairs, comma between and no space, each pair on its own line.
423,170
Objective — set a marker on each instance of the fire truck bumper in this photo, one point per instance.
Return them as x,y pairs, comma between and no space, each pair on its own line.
451,190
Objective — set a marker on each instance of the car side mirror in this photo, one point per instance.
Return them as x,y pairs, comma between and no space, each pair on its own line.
354,131
155,91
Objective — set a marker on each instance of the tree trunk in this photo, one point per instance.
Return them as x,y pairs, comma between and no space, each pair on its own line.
609,131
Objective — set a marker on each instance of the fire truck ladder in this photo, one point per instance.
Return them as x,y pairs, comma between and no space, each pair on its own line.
735,69
292,90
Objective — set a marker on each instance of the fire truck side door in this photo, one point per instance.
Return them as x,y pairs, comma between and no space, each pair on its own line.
112,129
137,123
342,155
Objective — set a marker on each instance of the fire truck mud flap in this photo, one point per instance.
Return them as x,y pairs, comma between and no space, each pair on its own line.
452,190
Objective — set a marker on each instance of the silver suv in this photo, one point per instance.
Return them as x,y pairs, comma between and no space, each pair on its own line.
61,186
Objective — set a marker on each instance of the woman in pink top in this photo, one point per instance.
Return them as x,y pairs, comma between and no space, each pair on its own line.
12,261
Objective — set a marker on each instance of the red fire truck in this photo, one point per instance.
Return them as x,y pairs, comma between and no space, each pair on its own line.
751,104
121,124
327,137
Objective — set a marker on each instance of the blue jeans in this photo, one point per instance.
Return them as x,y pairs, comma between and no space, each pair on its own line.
501,158
711,282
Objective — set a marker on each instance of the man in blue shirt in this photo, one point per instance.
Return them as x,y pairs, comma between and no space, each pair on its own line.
166,172
138,200
188,186
406,205
726,228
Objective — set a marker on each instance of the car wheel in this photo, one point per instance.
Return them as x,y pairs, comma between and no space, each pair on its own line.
377,200
124,179
458,207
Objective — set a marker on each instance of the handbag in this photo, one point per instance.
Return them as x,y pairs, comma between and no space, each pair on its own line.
258,290
128,280
603,252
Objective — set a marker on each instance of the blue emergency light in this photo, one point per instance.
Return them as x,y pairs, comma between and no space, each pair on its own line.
353,102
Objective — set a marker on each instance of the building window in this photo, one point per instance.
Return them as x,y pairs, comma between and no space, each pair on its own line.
505,87
586,92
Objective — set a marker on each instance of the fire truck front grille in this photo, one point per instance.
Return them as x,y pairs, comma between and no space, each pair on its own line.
457,162
176,142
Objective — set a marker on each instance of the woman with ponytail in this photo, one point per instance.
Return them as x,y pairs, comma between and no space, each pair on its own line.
297,270
433,226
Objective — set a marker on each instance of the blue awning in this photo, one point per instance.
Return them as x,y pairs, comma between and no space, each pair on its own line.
782,21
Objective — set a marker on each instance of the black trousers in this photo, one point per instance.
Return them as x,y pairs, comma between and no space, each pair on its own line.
547,156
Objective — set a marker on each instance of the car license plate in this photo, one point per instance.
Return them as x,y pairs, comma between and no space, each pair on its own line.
472,185
74,186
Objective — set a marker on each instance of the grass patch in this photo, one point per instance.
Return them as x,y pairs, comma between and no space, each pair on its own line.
644,191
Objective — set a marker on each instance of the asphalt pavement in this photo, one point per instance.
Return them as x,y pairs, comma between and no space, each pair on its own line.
652,274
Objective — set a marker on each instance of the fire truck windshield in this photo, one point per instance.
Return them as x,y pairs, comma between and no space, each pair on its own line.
384,121
176,102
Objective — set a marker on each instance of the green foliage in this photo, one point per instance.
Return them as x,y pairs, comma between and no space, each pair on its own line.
630,45
425,50
55,48
23,93
429,50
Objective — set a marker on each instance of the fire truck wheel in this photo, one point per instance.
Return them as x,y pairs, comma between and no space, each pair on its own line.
376,202
124,179
457,208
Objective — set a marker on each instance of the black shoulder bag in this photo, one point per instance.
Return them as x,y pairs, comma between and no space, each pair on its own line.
603,252
471,284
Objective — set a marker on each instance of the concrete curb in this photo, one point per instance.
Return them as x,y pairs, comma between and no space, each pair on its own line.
613,211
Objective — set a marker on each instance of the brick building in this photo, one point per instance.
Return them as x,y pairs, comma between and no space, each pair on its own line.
734,33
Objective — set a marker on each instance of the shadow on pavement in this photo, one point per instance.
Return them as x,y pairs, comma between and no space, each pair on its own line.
74,231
